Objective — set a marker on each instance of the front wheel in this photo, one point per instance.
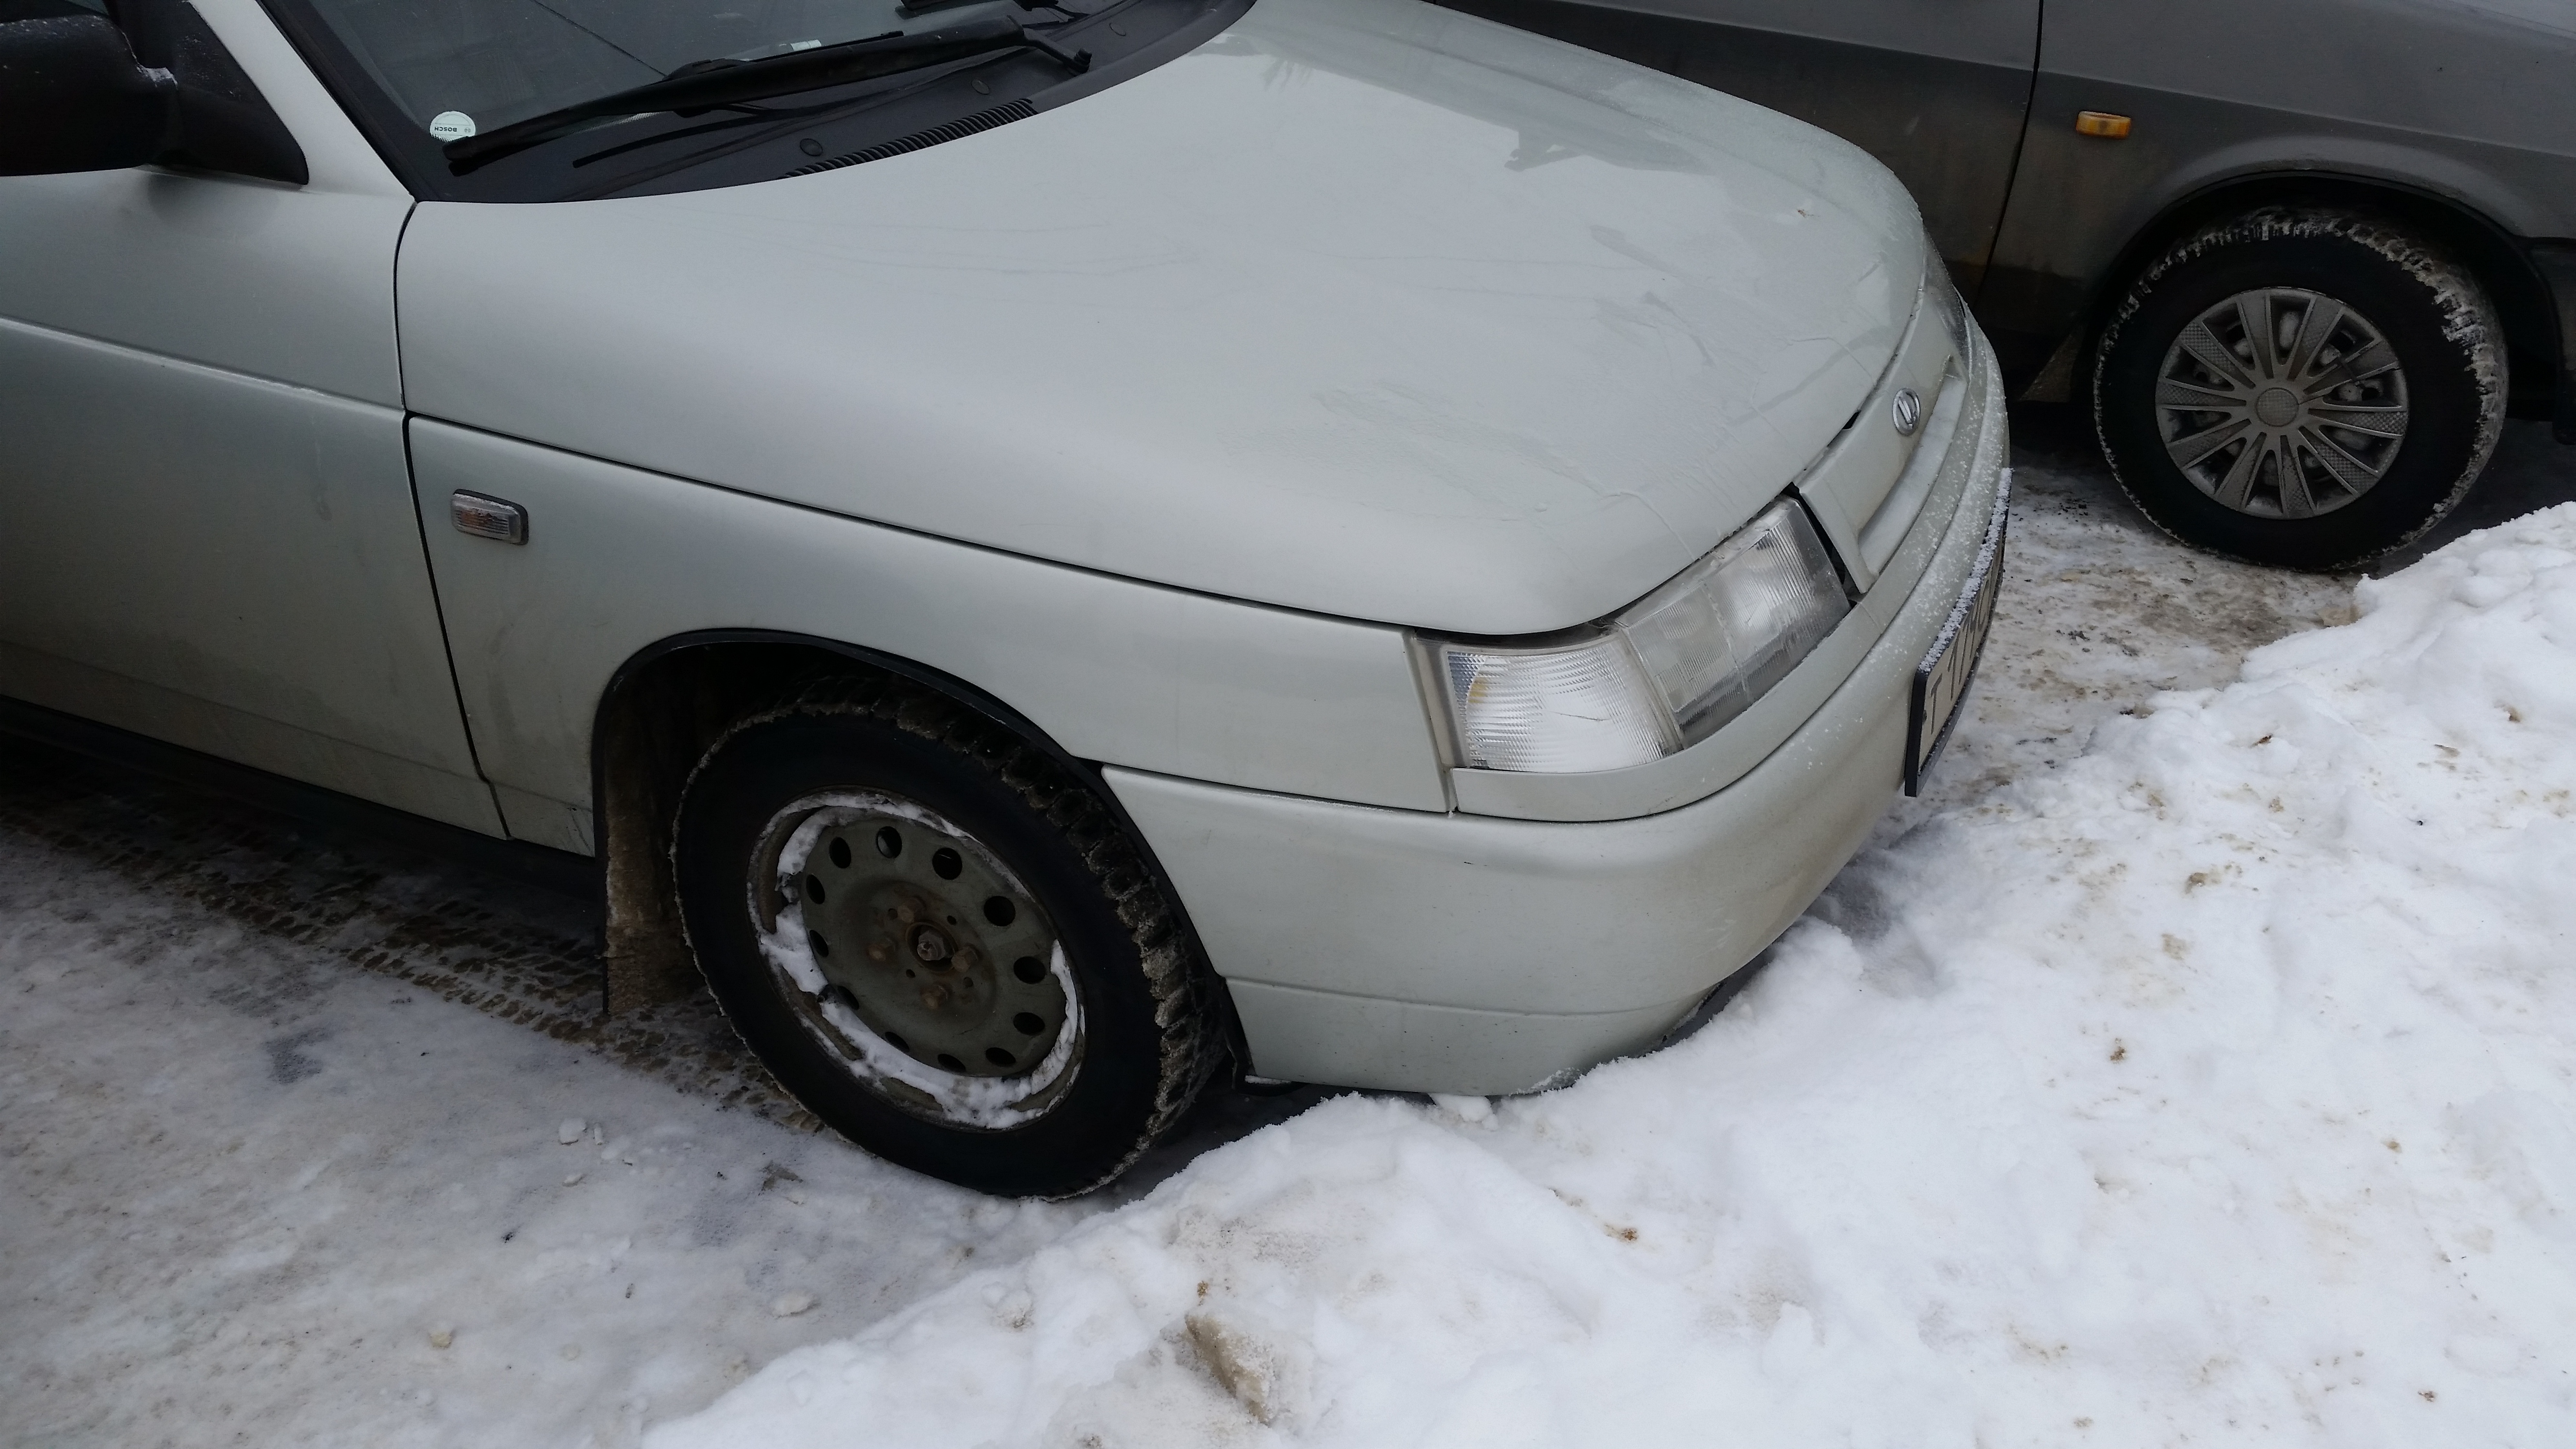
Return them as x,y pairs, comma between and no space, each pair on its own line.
2302,388
941,941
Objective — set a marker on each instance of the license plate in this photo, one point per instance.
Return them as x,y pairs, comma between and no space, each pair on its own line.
1941,680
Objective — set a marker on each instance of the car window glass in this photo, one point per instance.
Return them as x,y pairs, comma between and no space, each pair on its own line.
423,77
471,65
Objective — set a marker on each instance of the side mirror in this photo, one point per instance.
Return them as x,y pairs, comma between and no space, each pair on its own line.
219,121
72,98
79,93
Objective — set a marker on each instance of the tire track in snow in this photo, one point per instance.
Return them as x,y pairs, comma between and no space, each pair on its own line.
508,950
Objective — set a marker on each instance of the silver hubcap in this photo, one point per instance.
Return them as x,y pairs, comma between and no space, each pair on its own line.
2281,403
918,957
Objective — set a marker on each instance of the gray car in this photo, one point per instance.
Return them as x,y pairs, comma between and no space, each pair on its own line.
2304,256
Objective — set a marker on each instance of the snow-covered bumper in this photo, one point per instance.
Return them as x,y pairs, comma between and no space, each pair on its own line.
1475,953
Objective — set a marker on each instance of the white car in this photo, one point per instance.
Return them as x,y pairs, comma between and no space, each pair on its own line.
1056,552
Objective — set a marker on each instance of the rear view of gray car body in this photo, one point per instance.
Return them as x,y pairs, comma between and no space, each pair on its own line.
1214,492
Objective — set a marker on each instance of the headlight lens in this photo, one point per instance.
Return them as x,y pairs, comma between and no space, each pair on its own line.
1718,637
1666,673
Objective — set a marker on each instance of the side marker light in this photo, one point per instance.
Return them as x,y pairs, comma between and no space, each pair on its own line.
487,517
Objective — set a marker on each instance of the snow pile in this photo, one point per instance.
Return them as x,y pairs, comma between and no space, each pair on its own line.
2213,1086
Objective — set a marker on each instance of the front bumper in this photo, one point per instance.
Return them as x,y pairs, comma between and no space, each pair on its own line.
1478,954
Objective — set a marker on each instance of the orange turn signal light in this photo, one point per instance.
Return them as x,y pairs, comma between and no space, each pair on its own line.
2101,123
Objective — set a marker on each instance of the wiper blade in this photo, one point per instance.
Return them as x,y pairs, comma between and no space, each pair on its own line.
704,86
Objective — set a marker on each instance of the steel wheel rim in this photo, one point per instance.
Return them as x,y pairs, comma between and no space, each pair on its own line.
916,956
2281,403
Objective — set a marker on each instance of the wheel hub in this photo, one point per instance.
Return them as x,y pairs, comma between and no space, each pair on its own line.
2281,403
928,941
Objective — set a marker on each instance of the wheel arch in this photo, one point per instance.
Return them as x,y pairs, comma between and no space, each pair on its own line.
2491,252
667,703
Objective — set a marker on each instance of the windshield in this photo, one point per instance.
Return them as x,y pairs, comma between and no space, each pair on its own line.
474,65
423,73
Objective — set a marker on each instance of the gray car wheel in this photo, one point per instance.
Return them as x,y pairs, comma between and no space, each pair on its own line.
2302,388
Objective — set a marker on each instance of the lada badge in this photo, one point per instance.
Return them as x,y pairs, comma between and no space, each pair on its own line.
1908,412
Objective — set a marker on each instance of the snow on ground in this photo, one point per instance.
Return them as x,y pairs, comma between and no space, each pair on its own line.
2104,1101
250,1197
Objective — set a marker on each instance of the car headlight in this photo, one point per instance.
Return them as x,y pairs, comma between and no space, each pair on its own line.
1664,674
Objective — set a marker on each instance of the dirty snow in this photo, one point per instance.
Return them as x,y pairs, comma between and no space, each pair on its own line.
2160,1078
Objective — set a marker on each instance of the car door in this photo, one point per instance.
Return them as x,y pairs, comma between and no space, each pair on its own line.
1936,89
207,532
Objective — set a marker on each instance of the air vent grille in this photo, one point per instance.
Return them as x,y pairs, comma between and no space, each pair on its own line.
985,120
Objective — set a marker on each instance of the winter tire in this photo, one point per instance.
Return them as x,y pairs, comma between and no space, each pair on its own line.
941,941
2303,388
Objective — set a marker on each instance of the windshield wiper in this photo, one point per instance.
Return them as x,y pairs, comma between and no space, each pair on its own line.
707,85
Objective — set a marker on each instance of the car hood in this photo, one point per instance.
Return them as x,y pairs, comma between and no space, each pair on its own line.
1363,308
